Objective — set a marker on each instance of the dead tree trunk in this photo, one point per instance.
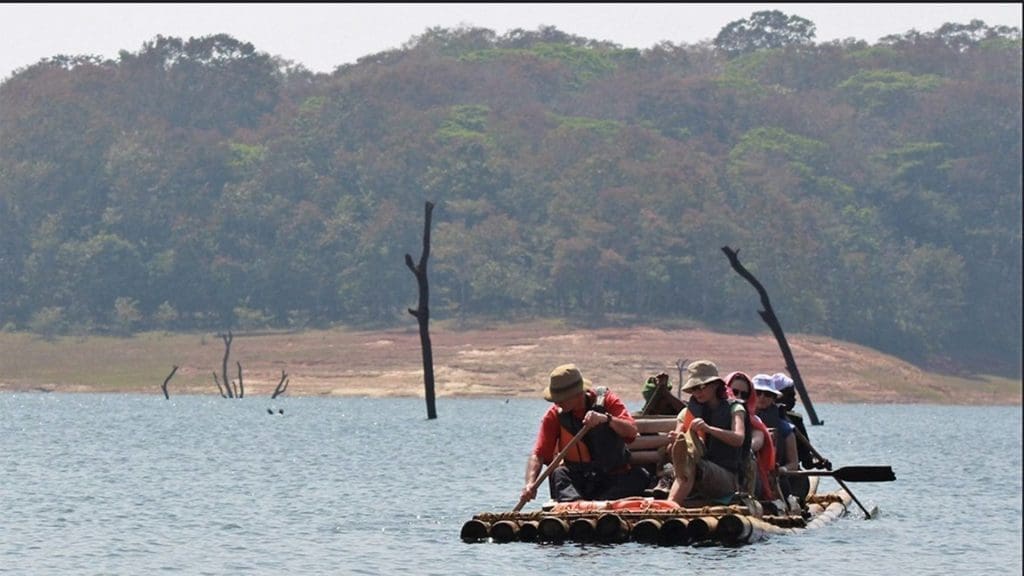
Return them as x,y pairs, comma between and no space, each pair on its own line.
166,380
681,366
227,391
241,387
282,385
422,313
768,315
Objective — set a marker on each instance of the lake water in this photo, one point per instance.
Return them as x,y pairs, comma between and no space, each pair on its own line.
133,484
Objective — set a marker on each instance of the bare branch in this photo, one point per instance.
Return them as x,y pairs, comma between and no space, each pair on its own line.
219,388
768,315
241,387
282,385
168,379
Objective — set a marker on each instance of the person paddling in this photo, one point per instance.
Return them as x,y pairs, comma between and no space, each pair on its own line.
597,467
787,402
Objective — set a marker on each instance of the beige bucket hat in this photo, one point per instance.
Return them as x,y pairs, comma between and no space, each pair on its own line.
566,382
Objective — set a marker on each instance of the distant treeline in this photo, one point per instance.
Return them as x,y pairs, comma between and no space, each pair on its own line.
874,189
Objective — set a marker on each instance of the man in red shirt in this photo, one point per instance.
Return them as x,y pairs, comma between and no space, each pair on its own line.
596,467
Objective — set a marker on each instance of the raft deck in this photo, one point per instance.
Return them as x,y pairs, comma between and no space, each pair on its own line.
653,522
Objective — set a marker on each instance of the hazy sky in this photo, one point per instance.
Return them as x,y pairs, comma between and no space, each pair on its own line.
323,36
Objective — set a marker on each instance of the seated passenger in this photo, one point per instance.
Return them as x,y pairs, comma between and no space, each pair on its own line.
653,383
712,439
782,429
761,443
787,401
661,472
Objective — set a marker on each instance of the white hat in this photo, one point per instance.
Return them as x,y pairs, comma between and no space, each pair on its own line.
780,381
763,383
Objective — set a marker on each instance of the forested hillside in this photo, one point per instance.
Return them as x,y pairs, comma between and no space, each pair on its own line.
874,189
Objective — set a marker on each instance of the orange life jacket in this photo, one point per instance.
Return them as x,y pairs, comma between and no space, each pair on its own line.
580,452
602,446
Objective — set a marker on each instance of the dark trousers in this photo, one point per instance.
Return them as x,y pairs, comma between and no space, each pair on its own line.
570,483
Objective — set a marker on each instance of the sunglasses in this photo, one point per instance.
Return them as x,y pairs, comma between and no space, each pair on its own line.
741,393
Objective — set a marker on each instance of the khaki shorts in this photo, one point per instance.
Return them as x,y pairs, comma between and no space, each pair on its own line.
713,481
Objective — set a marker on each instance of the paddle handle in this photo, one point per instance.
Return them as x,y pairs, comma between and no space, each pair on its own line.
814,453
551,467
784,472
867,515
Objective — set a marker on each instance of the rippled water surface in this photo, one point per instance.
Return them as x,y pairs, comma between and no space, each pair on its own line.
111,484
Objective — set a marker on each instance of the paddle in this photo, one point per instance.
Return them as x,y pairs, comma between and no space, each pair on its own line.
551,467
883,473
849,473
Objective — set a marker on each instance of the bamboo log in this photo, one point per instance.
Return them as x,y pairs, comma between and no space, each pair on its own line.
504,531
552,529
649,442
528,531
474,530
646,531
612,528
655,425
702,528
645,457
734,529
674,532
583,530
832,511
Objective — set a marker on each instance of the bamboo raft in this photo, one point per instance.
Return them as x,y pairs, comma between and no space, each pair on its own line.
728,525
646,520
651,521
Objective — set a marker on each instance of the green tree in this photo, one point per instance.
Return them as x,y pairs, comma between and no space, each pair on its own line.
875,189
48,322
764,30
126,315
210,82
165,316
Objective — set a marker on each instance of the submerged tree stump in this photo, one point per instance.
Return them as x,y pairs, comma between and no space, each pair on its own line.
422,313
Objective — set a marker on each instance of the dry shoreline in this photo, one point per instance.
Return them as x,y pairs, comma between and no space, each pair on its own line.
509,361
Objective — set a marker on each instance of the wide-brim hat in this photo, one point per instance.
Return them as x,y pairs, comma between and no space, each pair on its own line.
699,373
763,383
781,382
566,381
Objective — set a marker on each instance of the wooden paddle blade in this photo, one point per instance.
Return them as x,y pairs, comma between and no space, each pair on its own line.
851,473
865,474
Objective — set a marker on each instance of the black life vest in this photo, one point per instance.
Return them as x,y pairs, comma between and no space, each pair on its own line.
803,450
773,419
606,449
731,458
